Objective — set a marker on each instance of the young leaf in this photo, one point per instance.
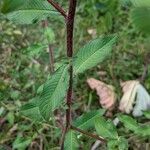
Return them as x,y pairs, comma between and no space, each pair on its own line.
54,92
31,110
129,122
93,53
28,11
71,142
86,121
105,128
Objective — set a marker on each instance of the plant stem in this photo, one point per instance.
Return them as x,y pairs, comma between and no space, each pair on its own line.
58,8
89,134
70,27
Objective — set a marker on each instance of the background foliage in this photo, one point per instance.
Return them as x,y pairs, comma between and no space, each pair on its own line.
23,70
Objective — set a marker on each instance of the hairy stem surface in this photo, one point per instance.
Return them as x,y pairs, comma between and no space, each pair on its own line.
70,27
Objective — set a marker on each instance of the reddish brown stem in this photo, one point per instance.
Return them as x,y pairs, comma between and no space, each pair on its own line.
70,27
58,8
89,134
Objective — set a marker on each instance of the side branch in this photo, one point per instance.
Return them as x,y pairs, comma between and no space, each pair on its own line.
58,8
89,134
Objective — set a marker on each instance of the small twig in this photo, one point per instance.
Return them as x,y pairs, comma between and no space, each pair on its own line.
58,8
89,134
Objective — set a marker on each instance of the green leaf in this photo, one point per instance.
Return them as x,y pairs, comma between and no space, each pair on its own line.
28,11
86,121
105,128
125,2
11,5
140,3
109,20
147,114
128,122
112,144
54,91
119,144
31,110
34,50
141,19
144,130
21,143
71,142
50,35
10,117
93,53
123,144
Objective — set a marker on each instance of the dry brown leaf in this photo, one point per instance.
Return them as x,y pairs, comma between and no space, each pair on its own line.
134,94
129,89
107,96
